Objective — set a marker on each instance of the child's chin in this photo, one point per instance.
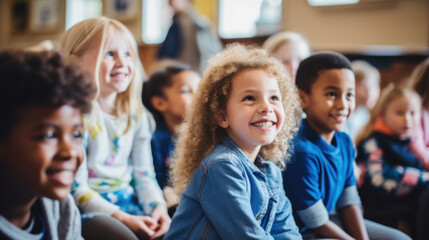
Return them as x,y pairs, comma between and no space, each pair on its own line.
58,194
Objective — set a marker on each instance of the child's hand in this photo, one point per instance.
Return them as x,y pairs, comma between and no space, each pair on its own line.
160,215
144,227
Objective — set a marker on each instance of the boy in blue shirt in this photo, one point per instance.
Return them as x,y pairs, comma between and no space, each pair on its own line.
320,181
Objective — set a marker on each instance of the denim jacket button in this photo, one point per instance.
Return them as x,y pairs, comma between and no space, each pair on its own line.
259,217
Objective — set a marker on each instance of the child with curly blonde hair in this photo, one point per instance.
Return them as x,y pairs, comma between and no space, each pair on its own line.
245,111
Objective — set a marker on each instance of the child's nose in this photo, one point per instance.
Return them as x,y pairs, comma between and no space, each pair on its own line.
265,107
67,150
120,60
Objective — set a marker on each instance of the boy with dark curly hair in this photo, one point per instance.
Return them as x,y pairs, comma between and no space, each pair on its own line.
42,99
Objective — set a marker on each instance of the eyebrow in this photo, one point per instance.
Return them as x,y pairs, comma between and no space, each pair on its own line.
51,125
257,90
335,88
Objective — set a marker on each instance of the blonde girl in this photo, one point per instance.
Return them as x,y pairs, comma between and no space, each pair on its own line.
118,164
392,174
244,111
288,47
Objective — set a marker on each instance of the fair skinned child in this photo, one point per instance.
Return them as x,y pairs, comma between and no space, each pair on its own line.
167,94
419,82
393,174
320,180
367,91
119,164
288,47
245,110
42,100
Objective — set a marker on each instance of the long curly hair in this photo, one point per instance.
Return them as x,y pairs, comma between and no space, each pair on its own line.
200,131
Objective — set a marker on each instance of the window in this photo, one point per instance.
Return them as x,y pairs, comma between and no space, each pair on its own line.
156,19
249,18
79,10
331,2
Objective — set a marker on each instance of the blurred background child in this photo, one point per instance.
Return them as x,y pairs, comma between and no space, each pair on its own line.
119,165
42,100
288,47
419,81
244,111
392,173
167,94
367,90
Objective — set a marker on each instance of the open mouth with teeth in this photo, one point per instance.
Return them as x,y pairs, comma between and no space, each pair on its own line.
264,124
61,176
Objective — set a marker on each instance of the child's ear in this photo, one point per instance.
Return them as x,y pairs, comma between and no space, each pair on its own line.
304,98
159,103
221,120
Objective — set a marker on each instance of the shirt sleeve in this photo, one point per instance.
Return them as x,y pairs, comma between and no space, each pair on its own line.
224,194
86,198
386,179
284,226
349,197
147,189
301,183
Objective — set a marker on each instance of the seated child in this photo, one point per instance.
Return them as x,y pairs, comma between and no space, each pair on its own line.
320,181
392,173
419,82
288,47
167,94
42,100
228,190
117,179
367,91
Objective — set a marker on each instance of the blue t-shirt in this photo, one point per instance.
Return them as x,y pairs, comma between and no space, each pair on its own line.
320,177
162,148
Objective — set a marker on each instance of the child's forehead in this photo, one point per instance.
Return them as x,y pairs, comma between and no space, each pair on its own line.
341,75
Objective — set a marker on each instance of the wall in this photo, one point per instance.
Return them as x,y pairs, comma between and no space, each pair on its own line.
402,23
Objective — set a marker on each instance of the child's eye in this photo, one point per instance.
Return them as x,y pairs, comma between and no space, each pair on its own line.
127,54
331,94
274,98
77,134
109,53
350,95
248,98
47,135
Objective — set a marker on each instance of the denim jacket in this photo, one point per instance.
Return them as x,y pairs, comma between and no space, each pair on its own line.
229,197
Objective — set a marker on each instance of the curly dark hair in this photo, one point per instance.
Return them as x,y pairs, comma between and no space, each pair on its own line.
156,84
29,79
309,69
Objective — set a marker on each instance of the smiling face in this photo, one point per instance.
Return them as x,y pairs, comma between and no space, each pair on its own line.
330,101
402,116
178,96
116,66
44,150
254,111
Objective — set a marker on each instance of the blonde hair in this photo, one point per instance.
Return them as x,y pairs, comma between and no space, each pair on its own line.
419,81
389,93
201,132
79,38
273,43
363,70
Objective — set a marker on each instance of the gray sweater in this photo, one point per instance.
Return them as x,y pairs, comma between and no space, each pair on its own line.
61,221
